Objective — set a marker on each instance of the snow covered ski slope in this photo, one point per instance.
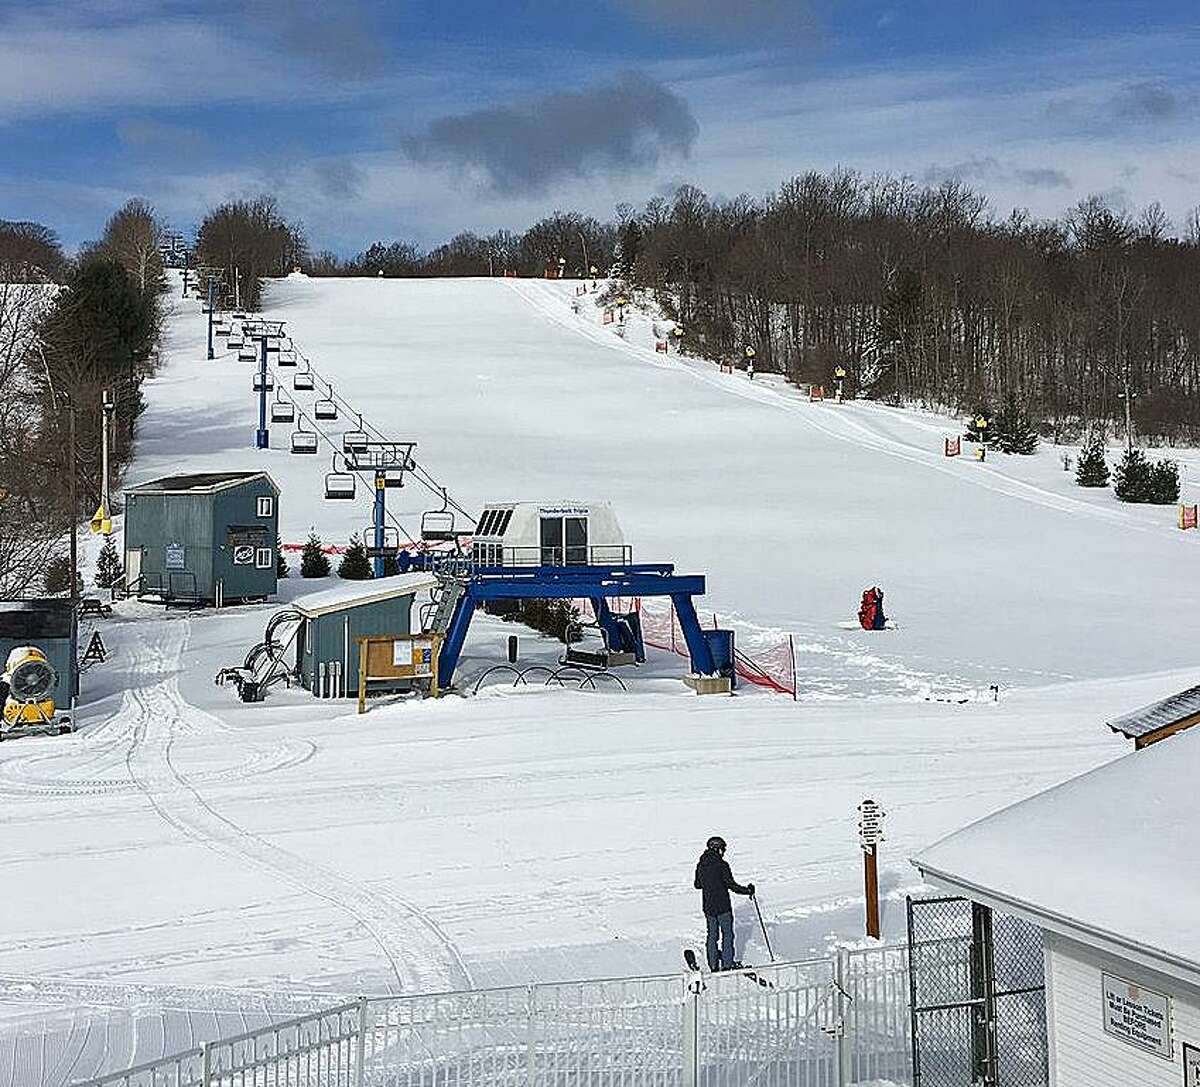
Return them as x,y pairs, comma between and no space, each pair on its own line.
997,573
188,864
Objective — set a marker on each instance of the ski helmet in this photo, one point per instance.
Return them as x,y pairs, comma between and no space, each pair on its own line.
716,842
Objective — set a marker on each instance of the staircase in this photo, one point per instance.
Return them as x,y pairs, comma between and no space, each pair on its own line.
445,600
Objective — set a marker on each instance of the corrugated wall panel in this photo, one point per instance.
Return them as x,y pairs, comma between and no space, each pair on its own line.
1082,1054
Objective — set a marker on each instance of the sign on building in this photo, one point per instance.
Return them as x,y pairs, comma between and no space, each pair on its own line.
1191,1066
243,555
174,558
1139,1016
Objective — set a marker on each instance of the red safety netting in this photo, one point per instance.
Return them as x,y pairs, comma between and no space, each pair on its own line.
772,666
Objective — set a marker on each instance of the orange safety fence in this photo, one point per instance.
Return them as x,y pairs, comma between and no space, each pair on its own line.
772,666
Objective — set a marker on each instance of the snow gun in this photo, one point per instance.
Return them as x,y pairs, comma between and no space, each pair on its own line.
30,683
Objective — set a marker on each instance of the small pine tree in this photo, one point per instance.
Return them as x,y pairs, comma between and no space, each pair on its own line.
281,565
1133,476
1164,482
391,565
355,566
57,578
313,561
108,565
1014,432
1092,469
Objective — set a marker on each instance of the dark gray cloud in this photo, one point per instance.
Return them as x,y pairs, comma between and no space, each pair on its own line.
989,168
631,123
1147,104
338,179
1147,101
339,36
1042,177
727,16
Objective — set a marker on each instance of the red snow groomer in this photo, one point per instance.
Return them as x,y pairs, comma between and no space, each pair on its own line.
870,612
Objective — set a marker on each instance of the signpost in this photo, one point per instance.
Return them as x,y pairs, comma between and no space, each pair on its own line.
870,834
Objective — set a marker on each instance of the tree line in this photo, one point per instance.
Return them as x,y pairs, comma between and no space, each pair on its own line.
71,331
919,293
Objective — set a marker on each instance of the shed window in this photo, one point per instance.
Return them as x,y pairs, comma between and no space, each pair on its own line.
266,506
262,557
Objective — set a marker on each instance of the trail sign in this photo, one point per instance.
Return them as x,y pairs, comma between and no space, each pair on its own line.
870,823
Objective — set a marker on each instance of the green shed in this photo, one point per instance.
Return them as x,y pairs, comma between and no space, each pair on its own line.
202,538
51,624
332,621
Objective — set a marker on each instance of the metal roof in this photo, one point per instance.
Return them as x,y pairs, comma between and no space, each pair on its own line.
199,482
1161,714
356,594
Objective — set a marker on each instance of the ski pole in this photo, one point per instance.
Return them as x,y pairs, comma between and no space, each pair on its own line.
763,926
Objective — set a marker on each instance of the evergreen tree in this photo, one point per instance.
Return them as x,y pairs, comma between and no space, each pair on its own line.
629,248
1092,468
57,578
281,566
313,561
391,565
355,566
1164,482
1014,432
108,565
1133,477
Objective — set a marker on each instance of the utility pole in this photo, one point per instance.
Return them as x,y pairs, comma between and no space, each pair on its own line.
106,410
211,304
74,499
262,437
586,263
1128,396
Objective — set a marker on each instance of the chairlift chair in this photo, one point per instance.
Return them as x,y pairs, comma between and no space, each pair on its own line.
339,485
393,477
287,357
283,411
221,330
263,381
304,441
248,353
325,408
302,381
355,441
437,526
235,340
274,343
391,541
239,316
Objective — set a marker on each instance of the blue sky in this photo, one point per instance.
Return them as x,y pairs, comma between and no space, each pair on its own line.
417,119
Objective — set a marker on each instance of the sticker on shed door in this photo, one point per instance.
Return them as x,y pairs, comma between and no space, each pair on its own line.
243,555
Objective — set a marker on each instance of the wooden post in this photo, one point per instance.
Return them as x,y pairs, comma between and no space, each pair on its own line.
871,886
363,643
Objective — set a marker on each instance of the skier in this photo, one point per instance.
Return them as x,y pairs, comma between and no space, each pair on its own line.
715,880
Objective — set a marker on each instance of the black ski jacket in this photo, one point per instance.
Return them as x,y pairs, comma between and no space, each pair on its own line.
715,879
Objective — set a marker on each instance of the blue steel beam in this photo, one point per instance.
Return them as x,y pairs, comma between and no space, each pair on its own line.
569,582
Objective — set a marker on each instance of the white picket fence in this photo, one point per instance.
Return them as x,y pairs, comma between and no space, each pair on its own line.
821,1023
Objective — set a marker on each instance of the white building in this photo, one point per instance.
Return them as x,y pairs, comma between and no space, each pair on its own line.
1107,866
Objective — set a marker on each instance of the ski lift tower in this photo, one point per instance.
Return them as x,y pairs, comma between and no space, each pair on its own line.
211,278
264,330
386,462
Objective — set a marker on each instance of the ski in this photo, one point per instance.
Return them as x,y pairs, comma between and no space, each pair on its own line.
693,963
